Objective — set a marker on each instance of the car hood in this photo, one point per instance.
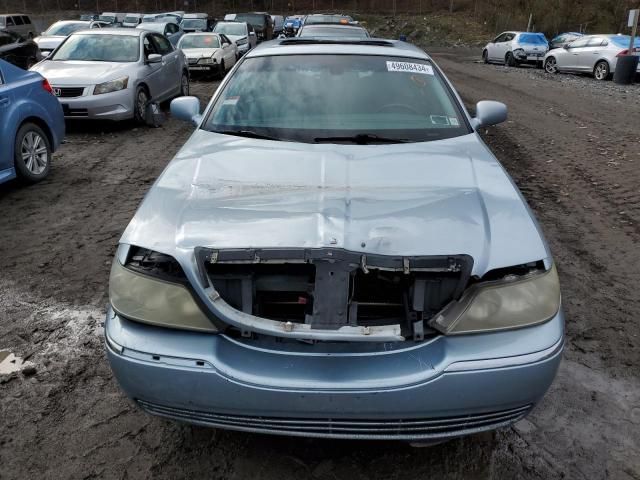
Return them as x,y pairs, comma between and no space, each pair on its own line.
73,72
199,52
49,42
434,198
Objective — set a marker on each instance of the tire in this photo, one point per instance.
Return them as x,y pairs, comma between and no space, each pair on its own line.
221,70
510,61
184,85
550,65
32,153
601,71
140,102
485,56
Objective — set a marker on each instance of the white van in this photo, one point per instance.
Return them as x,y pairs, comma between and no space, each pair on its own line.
132,20
18,23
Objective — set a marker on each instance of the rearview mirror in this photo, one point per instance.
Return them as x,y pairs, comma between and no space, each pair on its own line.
154,58
186,109
488,113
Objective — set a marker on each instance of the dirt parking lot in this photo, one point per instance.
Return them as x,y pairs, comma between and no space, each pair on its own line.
573,147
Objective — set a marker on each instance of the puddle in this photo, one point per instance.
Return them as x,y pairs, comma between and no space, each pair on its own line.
9,363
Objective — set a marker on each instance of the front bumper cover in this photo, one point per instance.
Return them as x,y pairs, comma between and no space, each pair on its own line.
441,388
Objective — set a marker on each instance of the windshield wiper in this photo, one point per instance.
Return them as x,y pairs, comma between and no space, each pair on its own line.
245,133
360,139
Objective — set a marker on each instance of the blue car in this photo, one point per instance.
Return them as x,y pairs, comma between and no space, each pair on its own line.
31,124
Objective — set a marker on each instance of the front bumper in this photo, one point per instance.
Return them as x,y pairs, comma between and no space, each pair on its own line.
108,106
442,388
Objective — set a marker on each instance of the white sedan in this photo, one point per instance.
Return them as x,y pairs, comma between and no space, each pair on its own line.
210,52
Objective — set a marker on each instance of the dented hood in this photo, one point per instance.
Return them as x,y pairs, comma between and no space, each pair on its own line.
433,198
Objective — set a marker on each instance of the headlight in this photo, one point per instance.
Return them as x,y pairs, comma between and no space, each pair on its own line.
502,305
112,86
150,287
206,61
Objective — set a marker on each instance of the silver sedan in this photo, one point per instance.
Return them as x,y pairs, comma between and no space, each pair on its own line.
594,54
114,74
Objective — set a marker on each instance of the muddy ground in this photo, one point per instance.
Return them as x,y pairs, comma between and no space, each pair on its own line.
572,146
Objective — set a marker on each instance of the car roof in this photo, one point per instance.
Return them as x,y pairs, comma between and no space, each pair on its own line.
316,46
131,32
333,25
202,34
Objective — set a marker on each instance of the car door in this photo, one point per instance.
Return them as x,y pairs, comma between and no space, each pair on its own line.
153,72
493,47
228,51
6,154
571,58
591,53
171,66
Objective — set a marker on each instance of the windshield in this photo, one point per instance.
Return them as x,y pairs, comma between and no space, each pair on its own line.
254,19
200,41
231,28
65,29
315,98
194,23
311,19
107,18
333,32
532,39
99,48
622,41
131,19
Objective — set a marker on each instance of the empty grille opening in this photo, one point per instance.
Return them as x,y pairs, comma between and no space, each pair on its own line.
330,289
275,291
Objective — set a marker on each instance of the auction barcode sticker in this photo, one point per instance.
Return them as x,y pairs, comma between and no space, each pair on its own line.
409,68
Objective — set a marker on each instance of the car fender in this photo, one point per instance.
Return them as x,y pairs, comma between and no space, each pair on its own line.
28,106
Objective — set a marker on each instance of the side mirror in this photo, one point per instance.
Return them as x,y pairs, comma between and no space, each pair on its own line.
186,109
154,58
489,113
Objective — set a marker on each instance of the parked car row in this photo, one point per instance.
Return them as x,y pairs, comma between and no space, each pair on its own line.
568,52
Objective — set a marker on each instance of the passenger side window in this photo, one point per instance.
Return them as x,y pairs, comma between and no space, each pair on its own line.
149,46
162,44
18,20
225,40
500,38
509,37
579,43
26,20
10,22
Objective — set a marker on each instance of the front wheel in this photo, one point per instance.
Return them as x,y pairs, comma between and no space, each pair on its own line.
222,70
550,65
140,107
601,70
32,153
184,85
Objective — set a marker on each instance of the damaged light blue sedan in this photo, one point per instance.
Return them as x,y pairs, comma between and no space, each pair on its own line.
335,253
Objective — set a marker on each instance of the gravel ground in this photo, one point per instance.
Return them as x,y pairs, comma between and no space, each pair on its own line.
568,144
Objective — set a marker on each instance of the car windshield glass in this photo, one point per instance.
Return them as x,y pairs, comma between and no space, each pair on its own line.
131,19
99,48
254,19
200,41
231,29
65,29
333,32
313,98
532,39
194,23
311,19
622,41
107,18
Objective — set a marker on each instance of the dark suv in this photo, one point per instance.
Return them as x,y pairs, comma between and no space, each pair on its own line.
261,22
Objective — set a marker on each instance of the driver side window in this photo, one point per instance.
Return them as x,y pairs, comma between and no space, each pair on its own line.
500,38
579,43
162,44
149,47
